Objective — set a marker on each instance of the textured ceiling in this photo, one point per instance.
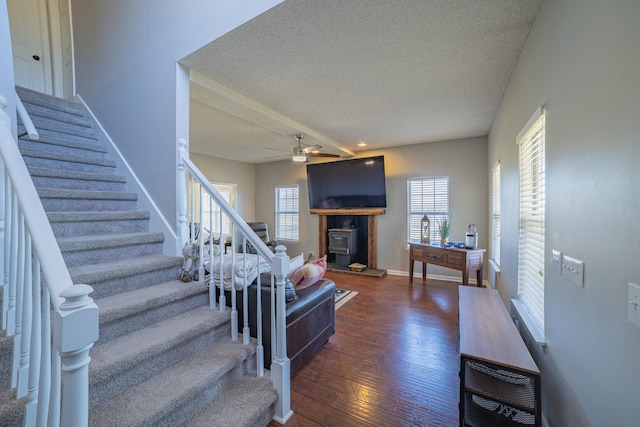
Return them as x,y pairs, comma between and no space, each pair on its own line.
389,72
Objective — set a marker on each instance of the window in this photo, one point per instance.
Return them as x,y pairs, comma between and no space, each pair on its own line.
430,197
211,213
287,212
532,212
495,215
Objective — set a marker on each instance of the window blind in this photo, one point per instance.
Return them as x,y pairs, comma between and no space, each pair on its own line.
532,219
287,212
430,197
495,214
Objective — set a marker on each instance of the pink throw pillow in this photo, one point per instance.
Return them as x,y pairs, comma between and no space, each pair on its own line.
322,262
307,275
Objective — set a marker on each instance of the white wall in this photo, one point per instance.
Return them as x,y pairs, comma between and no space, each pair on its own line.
464,161
581,60
125,57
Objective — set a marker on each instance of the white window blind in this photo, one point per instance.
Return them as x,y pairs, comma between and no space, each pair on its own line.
287,212
495,214
532,216
430,197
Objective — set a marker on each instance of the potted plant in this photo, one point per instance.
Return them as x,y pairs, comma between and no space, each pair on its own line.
445,227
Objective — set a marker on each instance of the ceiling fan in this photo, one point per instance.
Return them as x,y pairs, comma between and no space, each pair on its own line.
301,154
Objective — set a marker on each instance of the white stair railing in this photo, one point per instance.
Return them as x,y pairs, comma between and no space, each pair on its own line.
36,288
235,271
26,120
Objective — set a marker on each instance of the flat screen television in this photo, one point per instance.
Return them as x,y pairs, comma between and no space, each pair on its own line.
347,184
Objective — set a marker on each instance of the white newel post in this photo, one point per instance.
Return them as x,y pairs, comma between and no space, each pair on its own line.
75,330
281,365
182,194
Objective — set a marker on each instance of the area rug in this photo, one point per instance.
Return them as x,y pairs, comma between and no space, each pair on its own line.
342,296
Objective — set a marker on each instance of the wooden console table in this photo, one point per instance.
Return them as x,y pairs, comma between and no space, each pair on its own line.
465,260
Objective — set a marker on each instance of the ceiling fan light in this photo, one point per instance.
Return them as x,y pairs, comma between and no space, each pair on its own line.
299,158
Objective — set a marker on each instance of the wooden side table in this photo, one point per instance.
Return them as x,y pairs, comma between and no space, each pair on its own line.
496,368
465,260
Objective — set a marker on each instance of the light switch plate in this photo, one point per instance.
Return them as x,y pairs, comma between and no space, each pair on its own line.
573,270
633,305
556,261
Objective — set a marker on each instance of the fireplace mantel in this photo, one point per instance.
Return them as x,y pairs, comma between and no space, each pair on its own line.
376,211
371,230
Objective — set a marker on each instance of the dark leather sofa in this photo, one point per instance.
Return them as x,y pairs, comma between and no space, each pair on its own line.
311,319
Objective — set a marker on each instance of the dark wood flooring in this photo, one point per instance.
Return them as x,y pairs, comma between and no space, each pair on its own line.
393,360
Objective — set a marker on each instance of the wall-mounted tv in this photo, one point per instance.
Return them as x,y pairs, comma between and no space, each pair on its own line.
347,184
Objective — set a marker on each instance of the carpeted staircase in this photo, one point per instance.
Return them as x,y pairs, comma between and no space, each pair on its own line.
163,357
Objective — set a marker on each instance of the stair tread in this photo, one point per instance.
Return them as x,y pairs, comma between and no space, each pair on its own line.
87,216
53,155
40,117
162,394
70,174
227,408
93,145
109,240
126,267
30,96
68,132
130,349
66,193
120,305
66,116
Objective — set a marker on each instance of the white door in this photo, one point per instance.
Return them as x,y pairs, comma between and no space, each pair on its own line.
30,44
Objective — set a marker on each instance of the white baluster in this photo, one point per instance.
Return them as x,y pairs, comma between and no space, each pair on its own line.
8,191
44,384
259,346
212,289
27,313
200,265
13,267
75,331
19,302
222,298
182,195
245,297
31,407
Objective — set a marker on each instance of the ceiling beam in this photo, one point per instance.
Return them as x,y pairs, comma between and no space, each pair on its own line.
222,98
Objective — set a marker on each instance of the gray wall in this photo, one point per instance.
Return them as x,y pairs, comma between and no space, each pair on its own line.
464,161
581,60
231,172
125,57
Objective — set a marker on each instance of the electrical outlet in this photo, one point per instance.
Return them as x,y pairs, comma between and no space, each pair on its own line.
556,262
634,304
573,270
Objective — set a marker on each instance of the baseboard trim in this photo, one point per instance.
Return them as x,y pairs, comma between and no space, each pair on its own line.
418,276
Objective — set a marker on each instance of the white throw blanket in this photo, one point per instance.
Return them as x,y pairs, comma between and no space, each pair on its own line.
236,261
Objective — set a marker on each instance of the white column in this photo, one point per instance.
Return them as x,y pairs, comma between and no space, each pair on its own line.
281,366
75,331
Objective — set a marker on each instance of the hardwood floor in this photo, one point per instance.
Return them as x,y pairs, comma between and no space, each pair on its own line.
393,360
